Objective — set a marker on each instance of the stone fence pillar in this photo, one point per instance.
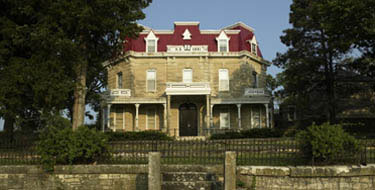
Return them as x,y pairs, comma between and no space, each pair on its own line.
230,171
154,175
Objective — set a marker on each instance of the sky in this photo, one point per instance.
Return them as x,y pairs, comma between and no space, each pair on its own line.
268,17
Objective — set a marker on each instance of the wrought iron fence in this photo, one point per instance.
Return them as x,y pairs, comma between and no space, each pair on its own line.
270,151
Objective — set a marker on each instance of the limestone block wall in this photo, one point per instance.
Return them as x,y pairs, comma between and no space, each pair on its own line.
83,177
305,178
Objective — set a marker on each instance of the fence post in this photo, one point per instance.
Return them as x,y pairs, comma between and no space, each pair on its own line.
154,175
230,170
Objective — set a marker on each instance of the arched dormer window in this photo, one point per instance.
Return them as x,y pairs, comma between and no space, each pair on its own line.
222,42
151,43
253,46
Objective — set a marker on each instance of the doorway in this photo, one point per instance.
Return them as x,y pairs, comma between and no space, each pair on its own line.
188,120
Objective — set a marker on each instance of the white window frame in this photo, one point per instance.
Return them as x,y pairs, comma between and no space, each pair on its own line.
255,79
147,113
253,46
184,79
222,37
151,36
119,80
224,111
222,81
147,79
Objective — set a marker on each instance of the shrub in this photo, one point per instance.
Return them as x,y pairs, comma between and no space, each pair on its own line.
137,136
252,133
327,144
59,144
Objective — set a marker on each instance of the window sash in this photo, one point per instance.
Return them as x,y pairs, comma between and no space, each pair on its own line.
151,45
225,119
223,80
187,75
223,45
119,80
151,119
151,80
253,48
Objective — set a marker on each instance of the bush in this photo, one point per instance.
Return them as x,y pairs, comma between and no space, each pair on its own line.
137,136
59,144
252,133
327,144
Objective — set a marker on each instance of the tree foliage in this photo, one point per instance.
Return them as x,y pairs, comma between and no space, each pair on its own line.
325,35
51,53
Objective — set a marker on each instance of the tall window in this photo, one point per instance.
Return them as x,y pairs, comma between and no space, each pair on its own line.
255,79
222,42
187,75
119,80
254,48
151,45
151,80
224,118
223,80
151,118
223,45
151,42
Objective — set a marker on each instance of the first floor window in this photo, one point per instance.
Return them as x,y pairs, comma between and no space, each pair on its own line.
151,119
223,80
151,80
224,118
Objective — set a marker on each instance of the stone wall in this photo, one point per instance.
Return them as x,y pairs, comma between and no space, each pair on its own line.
82,177
304,178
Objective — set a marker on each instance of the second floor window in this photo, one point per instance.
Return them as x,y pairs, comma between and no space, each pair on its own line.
119,80
187,75
151,80
255,79
223,80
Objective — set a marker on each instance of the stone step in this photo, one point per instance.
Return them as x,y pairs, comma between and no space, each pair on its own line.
197,185
188,176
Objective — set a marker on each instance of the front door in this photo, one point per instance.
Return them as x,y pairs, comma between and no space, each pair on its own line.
188,120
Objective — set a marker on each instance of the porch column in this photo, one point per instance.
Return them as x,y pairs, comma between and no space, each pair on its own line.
267,116
103,119
208,108
239,116
136,117
211,115
165,118
109,115
168,114
123,118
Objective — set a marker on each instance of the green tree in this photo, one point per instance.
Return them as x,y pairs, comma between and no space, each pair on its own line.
319,46
52,52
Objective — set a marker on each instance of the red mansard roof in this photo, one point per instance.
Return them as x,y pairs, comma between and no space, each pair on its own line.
239,35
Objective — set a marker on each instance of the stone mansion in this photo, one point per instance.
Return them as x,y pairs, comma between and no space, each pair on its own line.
188,82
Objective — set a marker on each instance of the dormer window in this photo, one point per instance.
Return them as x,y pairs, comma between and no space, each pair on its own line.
253,46
151,43
223,42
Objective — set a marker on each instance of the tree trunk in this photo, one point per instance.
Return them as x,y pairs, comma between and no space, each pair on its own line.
80,96
9,126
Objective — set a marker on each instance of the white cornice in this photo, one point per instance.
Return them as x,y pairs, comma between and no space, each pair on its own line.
239,24
186,23
197,54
